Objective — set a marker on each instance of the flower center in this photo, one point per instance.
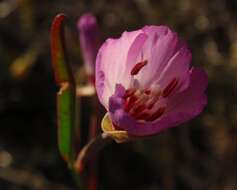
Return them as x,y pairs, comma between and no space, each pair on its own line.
147,104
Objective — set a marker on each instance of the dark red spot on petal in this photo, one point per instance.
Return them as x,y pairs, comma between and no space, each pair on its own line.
138,67
169,88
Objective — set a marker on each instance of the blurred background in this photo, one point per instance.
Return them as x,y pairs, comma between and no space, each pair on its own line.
200,155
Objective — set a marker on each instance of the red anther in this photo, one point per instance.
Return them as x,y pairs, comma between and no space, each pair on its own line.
154,100
137,110
142,116
156,115
169,88
138,67
150,106
129,93
129,103
147,91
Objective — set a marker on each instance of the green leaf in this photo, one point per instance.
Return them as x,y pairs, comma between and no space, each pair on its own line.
67,93
61,68
65,119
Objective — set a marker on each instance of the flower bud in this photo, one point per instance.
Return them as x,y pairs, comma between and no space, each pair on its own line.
89,42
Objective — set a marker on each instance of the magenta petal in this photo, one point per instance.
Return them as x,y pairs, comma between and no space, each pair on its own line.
155,30
119,116
116,101
159,53
177,67
194,96
112,60
134,52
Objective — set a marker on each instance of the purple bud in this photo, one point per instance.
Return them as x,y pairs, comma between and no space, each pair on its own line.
89,42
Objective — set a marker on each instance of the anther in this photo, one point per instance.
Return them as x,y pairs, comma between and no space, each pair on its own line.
138,67
142,116
156,115
129,103
147,91
169,88
138,109
152,102
129,93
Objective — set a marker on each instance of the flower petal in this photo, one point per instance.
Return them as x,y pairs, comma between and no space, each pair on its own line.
159,49
177,67
194,96
112,62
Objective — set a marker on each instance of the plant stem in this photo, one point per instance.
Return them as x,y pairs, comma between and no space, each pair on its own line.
90,150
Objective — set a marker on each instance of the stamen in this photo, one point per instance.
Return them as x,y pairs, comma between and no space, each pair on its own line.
139,109
134,83
130,103
147,91
152,102
156,115
138,67
156,89
140,104
170,87
156,93
129,93
144,104
142,116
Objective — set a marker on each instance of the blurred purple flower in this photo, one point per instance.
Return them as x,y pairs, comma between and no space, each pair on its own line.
145,82
89,41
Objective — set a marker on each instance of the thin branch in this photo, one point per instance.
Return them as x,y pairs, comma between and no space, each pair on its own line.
90,150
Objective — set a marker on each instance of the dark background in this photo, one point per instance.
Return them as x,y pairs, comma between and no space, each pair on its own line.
200,155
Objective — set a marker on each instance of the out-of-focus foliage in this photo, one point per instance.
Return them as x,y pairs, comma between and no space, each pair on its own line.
199,155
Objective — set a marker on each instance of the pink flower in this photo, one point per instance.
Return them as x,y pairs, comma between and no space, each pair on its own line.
89,41
145,82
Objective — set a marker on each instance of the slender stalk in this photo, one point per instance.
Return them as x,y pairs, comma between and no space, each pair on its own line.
92,180
90,150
